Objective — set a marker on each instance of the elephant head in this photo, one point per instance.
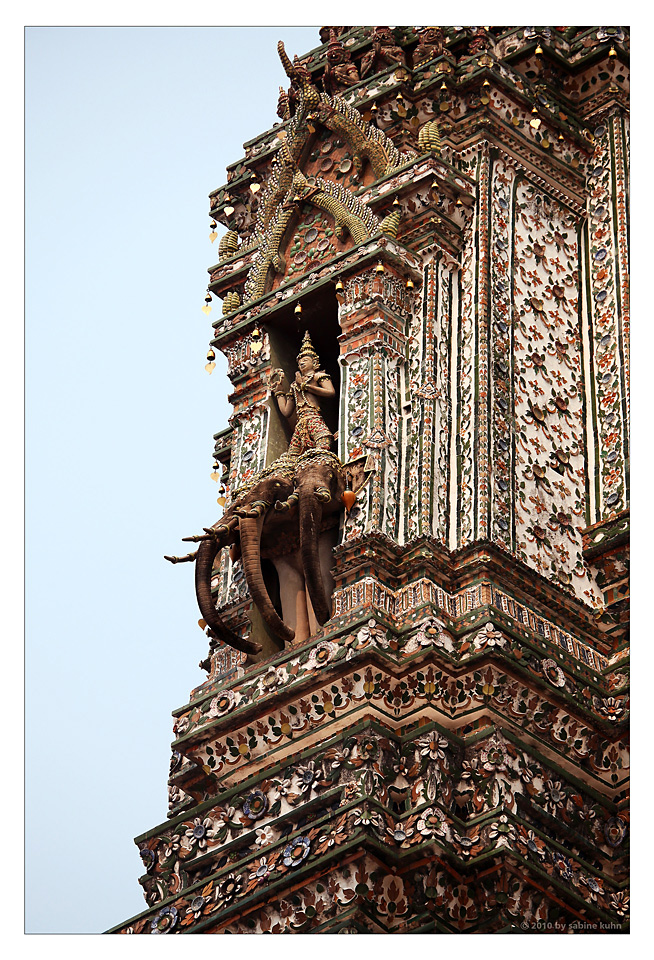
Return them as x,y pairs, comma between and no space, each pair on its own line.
320,484
287,500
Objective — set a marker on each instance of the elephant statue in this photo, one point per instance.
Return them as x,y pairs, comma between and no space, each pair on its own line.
280,516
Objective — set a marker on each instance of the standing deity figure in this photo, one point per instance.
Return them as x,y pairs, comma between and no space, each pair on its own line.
301,76
383,53
311,432
480,41
327,32
430,45
340,72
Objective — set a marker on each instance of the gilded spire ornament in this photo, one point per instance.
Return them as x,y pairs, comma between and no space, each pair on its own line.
307,349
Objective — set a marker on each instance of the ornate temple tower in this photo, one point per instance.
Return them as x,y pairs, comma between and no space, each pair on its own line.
416,711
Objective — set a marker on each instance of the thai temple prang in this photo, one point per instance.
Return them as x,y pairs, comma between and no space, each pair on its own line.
415,715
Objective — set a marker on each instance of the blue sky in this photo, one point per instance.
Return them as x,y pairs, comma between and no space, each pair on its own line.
127,131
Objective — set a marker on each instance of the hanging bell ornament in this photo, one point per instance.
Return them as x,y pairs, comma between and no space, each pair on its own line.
207,304
396,203
221,499
340,291
539,50
256,342
613,51
298,310
379,268
410,284
255,186
213,234
216,468
211,356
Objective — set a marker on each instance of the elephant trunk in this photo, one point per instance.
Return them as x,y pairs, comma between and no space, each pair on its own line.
203,564
310,519
250,530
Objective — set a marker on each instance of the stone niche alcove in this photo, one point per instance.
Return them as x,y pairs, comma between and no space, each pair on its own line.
283,573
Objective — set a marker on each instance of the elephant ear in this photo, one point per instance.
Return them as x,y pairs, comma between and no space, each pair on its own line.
219,630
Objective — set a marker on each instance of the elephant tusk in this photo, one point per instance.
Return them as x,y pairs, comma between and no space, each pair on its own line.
187,558
227,527
217,533
284,505
257,509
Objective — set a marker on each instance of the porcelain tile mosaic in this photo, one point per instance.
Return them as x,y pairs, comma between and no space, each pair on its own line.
416,711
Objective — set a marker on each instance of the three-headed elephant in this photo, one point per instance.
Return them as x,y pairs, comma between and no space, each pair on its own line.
280,516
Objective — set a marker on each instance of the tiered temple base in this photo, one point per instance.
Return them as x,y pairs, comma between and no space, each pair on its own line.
437,760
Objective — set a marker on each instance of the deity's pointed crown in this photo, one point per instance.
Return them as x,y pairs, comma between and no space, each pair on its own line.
334,42
307,349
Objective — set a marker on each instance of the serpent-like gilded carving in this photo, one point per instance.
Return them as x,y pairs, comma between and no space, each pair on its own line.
287,186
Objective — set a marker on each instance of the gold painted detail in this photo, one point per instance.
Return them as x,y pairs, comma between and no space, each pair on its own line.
231,302
366,141
390,224
349,213
228,245
287,185
429,137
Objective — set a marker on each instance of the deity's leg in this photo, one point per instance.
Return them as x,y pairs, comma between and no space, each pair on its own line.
293,595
